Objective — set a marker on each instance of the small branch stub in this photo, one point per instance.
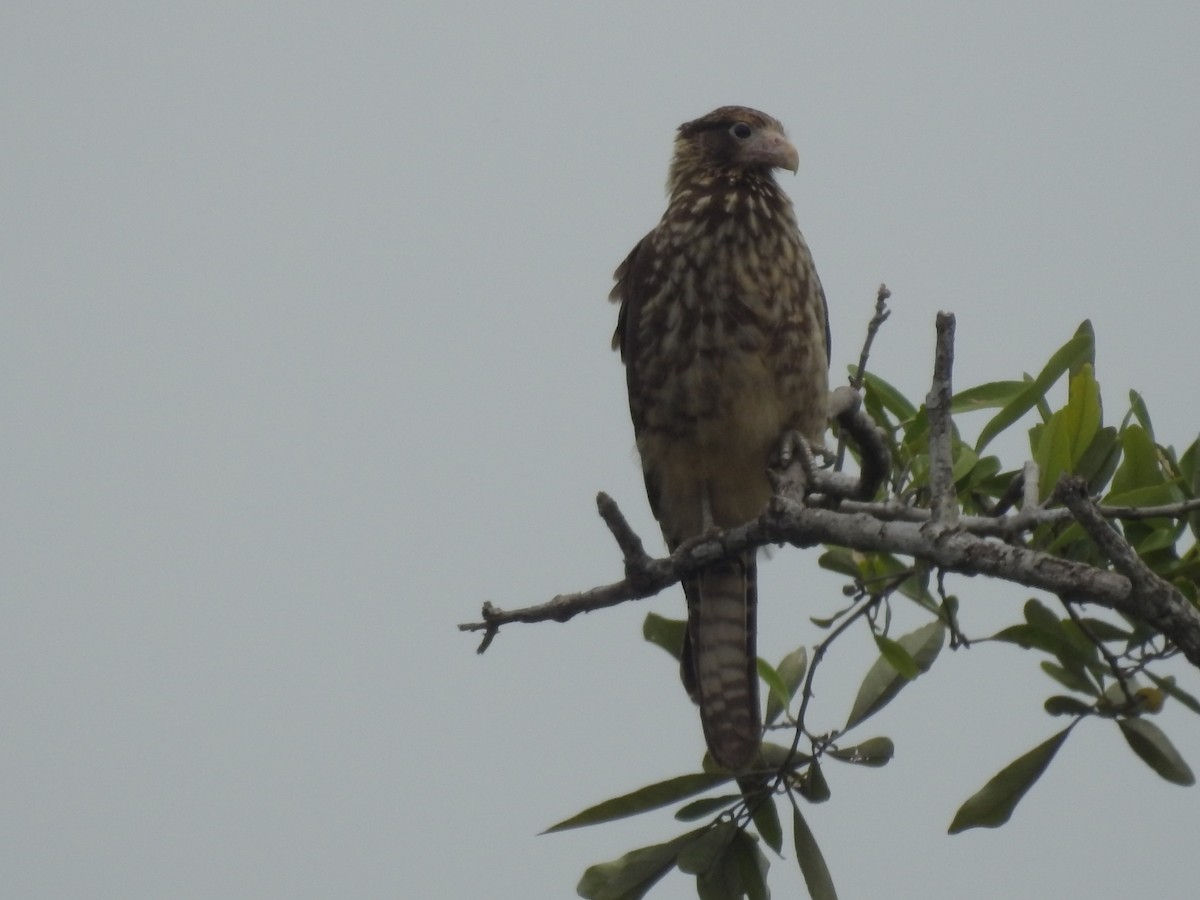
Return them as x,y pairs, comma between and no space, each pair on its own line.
943,500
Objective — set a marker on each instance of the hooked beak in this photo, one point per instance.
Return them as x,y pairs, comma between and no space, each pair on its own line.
772,148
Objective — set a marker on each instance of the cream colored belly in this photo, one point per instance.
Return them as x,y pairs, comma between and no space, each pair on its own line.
726,452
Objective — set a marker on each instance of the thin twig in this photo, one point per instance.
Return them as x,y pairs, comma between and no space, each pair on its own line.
1114,664
865,603
856,383
881,316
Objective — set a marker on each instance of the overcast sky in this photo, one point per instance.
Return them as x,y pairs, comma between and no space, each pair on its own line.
306,354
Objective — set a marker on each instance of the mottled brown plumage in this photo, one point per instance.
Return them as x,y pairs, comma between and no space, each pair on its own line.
723,332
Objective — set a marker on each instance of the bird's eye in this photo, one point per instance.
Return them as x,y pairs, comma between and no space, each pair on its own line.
741,131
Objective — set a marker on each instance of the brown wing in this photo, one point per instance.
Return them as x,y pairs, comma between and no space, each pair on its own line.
633,286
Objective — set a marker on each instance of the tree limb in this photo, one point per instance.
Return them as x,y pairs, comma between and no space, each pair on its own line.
1151,598
788,522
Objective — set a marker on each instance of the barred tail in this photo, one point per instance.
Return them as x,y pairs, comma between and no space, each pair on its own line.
719,659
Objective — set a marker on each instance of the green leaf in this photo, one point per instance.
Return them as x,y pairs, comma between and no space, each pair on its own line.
752,866
1041,616
840,560
982,472
666,633
812,863
1027,636
1099,459
1190,587
1189,466
777,692
1071,680
1084,414
1189,470
889,398
825,623
1106,631
720,882
883,681
916,436
1058,705
1079,349
631,876
1168,685
766,820
1067,436
1061,637
776,756
1085,329
1159,539
873,752
705,806
994,803
650,797
986,396
702,854
791,671
1146,495
1137,408
740,871
964,461
1156,750
900,659
1139,466
813,786
1052,454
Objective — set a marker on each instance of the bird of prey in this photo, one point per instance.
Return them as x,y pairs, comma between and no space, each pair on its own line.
723,332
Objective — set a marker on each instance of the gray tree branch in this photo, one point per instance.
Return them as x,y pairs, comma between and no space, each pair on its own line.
957,550
943,499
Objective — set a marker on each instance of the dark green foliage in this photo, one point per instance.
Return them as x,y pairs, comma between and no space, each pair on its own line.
996,800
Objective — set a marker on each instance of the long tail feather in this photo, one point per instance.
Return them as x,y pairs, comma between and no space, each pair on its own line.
719,659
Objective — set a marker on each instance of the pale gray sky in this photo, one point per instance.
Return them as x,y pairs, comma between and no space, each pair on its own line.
305,355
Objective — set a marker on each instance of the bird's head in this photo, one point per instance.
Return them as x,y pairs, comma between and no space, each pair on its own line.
731,140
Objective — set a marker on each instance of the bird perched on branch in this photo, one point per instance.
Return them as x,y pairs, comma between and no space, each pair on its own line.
723,331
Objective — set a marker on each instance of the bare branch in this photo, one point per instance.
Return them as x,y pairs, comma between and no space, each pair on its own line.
1073,493
1030,476
944,501
856,383
845,405
631,545
788,522
1114,664
881,316
1151,599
